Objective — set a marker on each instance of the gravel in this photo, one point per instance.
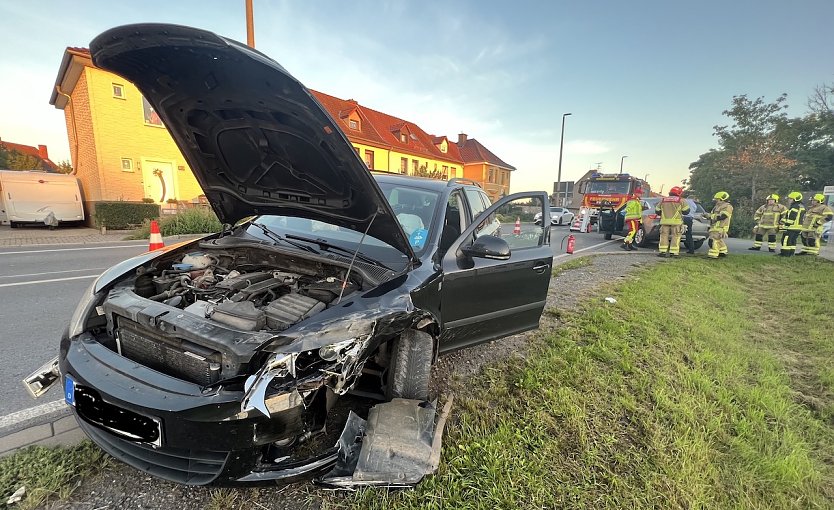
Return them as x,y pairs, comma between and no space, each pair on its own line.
122,487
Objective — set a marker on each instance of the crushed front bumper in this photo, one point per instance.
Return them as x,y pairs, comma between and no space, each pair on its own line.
202,438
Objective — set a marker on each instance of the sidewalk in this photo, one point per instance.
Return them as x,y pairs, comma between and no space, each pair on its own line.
25,236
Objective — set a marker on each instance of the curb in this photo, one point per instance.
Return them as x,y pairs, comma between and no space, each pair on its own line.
49,424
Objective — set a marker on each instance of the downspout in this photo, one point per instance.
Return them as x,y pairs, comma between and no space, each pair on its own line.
74,127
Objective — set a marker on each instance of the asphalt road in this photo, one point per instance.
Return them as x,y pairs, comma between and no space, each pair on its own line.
40,286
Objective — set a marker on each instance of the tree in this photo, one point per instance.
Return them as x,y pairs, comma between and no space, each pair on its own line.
65,167
423,171
4,158
753,148
19,161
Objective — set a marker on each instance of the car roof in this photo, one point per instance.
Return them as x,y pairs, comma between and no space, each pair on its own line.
417,182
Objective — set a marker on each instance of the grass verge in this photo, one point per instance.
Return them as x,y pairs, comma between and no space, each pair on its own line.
48,473
574,263
707,385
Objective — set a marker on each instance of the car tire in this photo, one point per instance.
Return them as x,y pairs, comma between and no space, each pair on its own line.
537,222
410,368
608,236
641,238
13,224
698,243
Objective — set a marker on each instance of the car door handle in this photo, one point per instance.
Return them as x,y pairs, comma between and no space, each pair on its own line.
541,268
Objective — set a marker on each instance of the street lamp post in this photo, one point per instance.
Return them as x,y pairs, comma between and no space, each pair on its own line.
621,163
559,174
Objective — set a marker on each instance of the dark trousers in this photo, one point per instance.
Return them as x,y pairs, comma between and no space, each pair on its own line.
789,243
690,245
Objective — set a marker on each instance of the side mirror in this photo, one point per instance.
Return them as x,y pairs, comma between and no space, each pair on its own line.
488,247
645,207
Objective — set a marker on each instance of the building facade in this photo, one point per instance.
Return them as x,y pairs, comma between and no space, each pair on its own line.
121,150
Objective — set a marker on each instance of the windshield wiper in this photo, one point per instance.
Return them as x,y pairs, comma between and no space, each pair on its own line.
283,239
328,246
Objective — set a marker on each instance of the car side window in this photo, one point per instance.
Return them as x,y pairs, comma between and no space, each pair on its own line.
476,205
453,222
516,226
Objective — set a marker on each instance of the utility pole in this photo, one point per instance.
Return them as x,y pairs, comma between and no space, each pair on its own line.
559,201
250,25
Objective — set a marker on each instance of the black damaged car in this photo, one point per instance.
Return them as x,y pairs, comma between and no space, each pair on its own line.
216,360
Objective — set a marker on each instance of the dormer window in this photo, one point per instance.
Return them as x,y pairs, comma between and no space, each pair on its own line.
353,124
403,138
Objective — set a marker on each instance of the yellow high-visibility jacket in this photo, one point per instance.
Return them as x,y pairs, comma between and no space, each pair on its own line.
769,215
671,210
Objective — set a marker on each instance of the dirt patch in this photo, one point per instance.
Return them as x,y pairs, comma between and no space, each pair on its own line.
120,486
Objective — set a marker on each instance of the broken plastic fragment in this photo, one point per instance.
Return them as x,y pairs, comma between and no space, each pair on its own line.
17,496
611,300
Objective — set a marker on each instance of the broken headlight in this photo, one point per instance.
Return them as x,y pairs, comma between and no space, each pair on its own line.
333,351
89,300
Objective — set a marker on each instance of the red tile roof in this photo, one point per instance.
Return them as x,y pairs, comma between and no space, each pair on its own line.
382,129
28,150
473,151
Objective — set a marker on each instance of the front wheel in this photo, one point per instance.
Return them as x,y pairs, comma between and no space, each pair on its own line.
640,237
697,243
410,367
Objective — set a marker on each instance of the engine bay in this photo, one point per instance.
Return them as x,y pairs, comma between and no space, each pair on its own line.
243,291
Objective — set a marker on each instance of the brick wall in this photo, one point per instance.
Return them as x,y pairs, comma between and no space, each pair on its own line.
82,141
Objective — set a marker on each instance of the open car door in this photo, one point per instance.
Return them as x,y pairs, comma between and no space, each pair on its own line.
496,274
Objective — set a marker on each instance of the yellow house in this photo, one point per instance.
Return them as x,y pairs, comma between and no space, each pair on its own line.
120,150
486,168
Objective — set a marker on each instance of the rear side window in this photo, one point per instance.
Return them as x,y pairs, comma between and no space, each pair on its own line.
476,203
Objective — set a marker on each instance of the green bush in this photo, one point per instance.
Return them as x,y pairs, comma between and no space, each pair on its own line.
123,215
190,221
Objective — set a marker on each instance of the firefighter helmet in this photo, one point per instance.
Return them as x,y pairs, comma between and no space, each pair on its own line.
676,191
795,195
721,195
773,197
819,197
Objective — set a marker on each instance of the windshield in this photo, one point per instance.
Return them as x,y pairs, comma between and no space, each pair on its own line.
415,209
609,187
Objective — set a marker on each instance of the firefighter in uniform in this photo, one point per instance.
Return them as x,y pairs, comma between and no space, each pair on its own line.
633,215
719,219
767,219
671,210
816,216
792,224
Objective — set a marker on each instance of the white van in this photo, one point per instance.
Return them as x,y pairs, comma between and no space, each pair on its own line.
29,197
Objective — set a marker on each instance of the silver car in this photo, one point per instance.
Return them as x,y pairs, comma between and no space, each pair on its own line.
558,216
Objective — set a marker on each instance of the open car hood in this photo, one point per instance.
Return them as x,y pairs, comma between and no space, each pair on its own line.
256,140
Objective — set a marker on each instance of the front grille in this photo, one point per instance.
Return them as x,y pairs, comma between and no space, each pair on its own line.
190,467
174,357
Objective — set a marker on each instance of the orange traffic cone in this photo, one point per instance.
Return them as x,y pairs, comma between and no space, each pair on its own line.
156,237
517,229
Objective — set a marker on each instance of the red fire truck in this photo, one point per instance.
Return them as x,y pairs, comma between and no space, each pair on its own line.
609,191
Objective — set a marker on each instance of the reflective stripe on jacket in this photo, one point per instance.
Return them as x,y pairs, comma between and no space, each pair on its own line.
816,216
720,217
671,210
769,215
633,210
792,219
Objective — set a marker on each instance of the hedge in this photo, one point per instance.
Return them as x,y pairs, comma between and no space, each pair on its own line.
124,215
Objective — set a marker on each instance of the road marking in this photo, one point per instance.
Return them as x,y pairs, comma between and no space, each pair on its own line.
48,281
71,249
54,272
587,248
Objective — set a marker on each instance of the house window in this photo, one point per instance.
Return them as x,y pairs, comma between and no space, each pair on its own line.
118,91
491,177
503,177
127,165
403,165
151,117
403,138
454,173
369,158
353,124
445,172
415,166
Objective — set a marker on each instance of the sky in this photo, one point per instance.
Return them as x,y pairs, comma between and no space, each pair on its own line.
642,79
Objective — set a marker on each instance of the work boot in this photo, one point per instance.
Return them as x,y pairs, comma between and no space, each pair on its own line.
722,254
631,247
772,250
802,253
755,248
661,254
624,246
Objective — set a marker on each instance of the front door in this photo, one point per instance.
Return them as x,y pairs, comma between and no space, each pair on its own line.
482,299
158,178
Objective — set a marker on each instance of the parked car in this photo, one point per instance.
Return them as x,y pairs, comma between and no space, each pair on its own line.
216,360
649,231
558,216
826,230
